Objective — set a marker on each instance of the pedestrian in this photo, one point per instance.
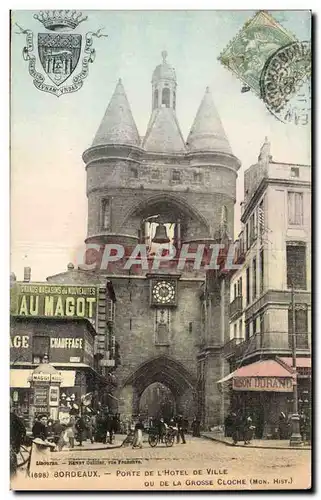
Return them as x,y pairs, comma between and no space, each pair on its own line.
138,436
196,427
248,430
17,437
174,428
303,426
91,428
69,435
283,426
81,430
40,429
234,423
57,431
181,429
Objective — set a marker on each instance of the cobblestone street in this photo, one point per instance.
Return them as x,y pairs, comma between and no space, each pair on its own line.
198,464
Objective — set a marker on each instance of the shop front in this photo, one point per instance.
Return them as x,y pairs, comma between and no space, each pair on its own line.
66,343
261,390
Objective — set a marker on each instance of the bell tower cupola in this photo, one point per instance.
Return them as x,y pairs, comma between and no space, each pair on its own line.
164,85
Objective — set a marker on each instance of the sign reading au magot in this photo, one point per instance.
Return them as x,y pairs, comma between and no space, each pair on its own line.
56,301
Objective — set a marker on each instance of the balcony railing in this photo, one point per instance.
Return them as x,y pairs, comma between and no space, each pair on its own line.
236,307
230,346
268,341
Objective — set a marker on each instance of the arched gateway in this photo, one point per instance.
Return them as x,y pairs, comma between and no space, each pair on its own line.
168,372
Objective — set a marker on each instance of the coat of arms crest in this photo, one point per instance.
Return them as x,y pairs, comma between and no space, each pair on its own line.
59,51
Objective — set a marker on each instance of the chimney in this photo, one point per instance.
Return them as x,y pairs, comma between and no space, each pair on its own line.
26,274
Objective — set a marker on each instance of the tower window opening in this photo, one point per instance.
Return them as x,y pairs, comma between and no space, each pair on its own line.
166,97
176,176
134,173
198,177
105,214
174,100
155,103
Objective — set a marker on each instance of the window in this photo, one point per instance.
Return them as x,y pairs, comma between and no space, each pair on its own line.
176,175
166,97
155,174
247,330
134,173
261,271
248,285
301,327
190,327
256,324
247,236
155,104
40,348
235,330
240,287
105,214
174,99
295,208
252,229
198,177
261,221
235,290
296,265
240,329
261,329
262,323
295,172
254,279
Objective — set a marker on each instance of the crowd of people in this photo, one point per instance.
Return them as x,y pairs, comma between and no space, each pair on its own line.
241,425
94,427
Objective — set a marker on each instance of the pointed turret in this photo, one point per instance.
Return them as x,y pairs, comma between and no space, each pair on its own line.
163,133
207,132
118,125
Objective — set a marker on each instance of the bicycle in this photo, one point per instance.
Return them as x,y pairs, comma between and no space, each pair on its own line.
154,438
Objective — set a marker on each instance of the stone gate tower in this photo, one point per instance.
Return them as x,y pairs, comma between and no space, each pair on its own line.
151,189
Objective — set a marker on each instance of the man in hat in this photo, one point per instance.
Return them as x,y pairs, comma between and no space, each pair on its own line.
40,429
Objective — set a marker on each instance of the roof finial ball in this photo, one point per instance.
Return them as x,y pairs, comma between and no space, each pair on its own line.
164,55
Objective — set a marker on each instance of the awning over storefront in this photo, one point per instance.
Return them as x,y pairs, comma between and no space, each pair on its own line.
300,362
266,375
19,378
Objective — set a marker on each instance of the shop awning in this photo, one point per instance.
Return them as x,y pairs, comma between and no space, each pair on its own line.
19,378
300,362
266,375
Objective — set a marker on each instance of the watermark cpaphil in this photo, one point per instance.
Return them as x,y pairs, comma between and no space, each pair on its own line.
215,256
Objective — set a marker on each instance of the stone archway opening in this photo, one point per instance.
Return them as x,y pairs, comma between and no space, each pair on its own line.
161,371
157,401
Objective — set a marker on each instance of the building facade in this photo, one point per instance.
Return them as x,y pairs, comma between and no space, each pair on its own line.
275,255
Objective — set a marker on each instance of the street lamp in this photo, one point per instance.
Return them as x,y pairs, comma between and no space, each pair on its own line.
295,438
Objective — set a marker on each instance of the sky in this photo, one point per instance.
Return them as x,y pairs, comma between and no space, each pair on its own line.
49,134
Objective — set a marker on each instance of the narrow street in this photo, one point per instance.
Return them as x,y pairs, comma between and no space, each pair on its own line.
198,464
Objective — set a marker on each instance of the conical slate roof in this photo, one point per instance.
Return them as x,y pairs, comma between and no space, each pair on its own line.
163,133
118,125
207,132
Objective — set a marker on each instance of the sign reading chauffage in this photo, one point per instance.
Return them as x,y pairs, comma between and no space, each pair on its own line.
270,384
39,299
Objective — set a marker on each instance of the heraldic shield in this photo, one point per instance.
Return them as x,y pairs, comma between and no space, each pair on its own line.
59,54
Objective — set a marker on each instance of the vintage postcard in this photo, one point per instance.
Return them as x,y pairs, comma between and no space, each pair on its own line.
160,314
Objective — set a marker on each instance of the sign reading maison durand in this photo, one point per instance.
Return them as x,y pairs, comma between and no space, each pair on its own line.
39,299
271,384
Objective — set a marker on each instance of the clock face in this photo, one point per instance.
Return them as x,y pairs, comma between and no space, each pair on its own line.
163,292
